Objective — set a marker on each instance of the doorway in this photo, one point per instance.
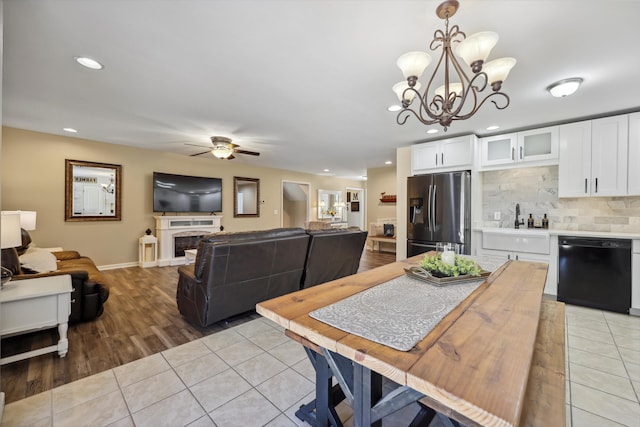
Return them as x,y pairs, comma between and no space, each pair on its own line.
356,204
295,204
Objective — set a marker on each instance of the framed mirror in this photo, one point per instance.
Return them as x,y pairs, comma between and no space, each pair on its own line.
246,197
329,206
92,191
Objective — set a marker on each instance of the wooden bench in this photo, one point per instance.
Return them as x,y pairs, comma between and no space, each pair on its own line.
544,403
378,239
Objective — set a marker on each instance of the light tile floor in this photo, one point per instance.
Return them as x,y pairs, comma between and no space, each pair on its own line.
252,375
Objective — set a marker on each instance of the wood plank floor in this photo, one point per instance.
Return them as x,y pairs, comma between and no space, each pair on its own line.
140,318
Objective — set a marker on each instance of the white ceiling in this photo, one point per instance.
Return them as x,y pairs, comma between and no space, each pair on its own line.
306,83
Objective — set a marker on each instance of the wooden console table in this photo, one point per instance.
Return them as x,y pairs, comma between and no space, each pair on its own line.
33,304
473,366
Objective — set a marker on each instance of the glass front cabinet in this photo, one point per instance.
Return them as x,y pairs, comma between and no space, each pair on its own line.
537,146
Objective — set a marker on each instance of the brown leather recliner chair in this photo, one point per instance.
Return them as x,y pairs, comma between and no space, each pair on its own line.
235,271
332,254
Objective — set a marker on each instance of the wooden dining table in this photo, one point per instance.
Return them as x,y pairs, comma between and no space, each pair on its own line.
472,366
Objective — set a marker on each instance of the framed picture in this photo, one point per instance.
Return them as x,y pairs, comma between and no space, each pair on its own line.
355,206
92,191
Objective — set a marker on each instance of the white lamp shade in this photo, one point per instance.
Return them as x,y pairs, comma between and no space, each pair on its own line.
400,87
222,151
10,234
477,47
564,87
453,87
498,69
414,63
27,219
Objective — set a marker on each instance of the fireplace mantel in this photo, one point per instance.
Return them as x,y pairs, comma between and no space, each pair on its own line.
169,227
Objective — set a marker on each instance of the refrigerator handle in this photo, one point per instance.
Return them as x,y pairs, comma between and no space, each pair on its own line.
433,208
429,208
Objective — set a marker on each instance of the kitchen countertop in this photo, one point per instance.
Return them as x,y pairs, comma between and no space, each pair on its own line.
556,232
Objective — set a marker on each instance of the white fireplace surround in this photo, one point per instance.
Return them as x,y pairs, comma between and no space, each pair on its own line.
170,227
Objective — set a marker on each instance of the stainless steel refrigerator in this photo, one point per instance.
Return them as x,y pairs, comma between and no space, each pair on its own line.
439,211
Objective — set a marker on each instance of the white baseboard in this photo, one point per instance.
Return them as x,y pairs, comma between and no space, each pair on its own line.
114,266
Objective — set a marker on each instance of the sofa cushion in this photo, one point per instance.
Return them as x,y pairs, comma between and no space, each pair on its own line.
38,260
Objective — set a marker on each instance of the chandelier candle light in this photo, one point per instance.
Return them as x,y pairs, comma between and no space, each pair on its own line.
460,96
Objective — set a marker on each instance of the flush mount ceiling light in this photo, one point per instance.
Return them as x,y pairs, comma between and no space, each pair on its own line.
457,97
564,87
70,130
89,62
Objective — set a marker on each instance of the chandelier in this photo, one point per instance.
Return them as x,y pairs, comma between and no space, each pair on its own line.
459,97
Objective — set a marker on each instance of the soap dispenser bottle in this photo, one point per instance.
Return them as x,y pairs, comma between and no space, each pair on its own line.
530,221
545,221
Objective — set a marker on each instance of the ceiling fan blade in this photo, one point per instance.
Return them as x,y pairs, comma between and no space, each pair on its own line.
230,157
251,153
198,154
195,145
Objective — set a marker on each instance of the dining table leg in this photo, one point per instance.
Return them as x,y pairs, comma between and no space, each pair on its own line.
367,390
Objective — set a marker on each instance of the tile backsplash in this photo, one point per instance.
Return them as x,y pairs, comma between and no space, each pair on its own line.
536,190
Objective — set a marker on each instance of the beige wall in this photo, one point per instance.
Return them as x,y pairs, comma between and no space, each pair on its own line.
33,179
380,180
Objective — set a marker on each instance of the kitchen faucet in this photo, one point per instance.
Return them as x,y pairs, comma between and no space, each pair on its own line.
518,222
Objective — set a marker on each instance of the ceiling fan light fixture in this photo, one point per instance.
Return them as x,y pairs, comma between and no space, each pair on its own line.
564,87
221,151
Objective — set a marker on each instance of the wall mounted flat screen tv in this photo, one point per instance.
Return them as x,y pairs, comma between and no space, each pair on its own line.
182,193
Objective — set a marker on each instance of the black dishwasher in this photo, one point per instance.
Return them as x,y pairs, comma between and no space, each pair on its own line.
594,272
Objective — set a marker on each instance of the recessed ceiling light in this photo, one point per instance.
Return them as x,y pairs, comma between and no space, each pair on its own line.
71,130
89,62
326,170
395,107
494,127
388,162
564,87
432,131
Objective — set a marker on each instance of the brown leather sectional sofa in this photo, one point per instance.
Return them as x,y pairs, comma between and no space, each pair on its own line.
90,291
235,271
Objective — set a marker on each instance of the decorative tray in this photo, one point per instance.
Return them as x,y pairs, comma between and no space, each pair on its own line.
422,274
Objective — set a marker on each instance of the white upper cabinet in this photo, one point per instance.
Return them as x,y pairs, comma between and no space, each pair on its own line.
536,147
633,183
447,154
593,158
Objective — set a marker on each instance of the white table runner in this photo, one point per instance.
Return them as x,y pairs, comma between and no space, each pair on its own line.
398,313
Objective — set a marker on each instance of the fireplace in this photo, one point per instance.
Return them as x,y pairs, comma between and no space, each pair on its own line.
180,243
177,233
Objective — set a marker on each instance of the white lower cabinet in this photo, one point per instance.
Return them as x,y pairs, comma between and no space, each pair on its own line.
503,245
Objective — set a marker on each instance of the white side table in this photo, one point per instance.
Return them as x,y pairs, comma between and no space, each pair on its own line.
148,253
33,304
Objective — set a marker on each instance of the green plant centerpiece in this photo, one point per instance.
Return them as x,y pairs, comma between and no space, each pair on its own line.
461,267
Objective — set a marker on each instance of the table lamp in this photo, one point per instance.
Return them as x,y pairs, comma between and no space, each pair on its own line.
27,223
10,238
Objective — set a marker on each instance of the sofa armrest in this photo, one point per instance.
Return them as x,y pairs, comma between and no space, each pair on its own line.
66,255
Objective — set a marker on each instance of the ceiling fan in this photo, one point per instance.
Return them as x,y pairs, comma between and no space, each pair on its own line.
223,148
